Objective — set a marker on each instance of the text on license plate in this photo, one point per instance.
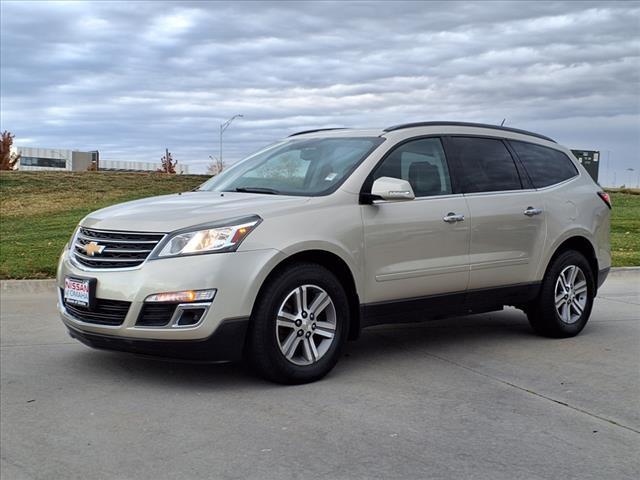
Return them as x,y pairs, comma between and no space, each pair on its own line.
76,291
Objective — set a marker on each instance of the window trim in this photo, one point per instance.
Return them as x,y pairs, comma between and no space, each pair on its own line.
525,183
558,184
525,179
576,169
367,184
447,196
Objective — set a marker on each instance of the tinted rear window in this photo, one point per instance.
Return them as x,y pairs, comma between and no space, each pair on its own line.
486,165
545,166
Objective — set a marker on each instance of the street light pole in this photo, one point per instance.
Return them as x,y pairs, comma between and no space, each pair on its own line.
637,177
223,127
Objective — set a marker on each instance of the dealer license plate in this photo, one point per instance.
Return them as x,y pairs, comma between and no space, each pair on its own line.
77,291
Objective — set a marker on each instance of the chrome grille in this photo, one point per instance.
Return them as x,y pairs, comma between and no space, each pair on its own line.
120,249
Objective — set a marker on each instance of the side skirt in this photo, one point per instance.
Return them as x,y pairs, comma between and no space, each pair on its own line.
434,307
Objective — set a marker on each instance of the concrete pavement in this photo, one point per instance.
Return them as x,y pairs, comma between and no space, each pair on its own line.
472,397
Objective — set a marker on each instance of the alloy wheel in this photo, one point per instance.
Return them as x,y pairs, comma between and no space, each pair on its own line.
571,294
306,325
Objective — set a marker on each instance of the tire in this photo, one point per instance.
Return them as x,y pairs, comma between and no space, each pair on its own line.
574,293
291,345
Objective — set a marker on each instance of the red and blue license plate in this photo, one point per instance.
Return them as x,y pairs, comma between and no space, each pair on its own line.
79,291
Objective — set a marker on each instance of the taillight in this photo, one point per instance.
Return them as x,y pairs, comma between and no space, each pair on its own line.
605,198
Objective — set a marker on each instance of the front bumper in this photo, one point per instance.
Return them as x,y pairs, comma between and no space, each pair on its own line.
236,276
225,345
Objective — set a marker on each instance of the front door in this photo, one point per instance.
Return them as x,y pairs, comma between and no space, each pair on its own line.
416,248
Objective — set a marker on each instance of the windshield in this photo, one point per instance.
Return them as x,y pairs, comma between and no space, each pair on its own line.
307,167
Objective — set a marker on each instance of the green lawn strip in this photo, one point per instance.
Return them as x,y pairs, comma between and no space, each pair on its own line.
625,229
30,247
39,211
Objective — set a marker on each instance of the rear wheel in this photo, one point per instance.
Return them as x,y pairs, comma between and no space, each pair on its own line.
299,325
566,297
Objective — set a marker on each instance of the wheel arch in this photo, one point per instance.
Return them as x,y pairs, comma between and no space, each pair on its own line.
581,244
336,265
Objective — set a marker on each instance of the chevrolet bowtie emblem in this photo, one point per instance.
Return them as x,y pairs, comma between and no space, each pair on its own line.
92,248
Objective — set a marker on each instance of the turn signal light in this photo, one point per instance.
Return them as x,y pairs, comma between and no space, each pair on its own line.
184,296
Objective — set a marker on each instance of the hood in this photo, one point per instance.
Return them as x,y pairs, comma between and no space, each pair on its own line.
172,212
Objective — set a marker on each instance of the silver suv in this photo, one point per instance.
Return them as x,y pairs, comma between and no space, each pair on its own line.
291,252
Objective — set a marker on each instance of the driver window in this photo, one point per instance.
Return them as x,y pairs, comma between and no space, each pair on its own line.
422,163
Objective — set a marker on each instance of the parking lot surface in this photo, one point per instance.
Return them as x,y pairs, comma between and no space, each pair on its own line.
472,397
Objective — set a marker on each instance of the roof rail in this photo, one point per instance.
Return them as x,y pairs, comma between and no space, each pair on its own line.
466,124
317,130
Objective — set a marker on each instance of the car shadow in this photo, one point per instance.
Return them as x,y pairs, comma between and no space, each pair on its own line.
169,373
381,343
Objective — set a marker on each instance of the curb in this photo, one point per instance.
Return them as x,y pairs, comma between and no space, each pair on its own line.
624,271
49,285
28,286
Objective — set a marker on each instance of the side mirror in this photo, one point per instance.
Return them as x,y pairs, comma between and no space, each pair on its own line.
388,188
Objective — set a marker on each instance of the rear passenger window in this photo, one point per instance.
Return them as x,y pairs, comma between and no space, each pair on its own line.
422,163
544,165
486,165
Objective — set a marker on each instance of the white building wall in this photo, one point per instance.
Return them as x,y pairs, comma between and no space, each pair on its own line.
124,165
67,156
26,168
56,153
137,166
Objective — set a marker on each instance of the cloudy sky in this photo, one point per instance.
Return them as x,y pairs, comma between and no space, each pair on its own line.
132,78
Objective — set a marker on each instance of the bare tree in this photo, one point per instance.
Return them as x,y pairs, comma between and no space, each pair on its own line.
8,159
216,166
168,164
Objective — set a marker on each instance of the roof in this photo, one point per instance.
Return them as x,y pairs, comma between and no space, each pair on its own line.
467,124
341,131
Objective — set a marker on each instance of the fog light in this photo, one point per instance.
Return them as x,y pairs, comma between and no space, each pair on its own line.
184,296
190,316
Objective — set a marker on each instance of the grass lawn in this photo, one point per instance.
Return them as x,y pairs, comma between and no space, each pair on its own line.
39,210
625,229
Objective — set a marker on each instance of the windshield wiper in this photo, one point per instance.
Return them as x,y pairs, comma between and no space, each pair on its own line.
269,191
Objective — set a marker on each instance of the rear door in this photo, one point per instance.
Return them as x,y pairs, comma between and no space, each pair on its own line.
410,249
507,217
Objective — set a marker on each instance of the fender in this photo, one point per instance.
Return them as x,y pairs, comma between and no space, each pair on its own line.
550,251
355,264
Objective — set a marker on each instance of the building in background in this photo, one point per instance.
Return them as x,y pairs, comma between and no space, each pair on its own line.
58,159
590,160
126,166
52,159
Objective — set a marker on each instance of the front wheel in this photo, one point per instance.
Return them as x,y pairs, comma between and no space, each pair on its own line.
566,297
299,325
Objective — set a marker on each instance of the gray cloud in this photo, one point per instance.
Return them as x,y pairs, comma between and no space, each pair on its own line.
130,78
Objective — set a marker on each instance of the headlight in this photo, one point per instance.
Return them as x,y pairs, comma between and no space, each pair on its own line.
215,239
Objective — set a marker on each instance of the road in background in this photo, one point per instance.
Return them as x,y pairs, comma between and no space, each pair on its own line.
478,396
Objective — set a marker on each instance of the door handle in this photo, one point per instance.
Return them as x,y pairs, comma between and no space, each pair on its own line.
453,218
530,211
